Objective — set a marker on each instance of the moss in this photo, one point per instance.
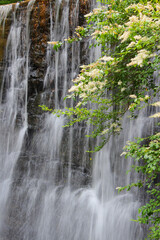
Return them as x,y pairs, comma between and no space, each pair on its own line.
2,2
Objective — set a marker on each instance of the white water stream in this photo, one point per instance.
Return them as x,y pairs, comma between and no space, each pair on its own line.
51,201
13,103
4,11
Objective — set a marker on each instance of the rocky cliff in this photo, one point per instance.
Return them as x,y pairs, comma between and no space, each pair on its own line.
42,17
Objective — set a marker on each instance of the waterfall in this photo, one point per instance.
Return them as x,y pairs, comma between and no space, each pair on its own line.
13,104
4,11
57,63
49,187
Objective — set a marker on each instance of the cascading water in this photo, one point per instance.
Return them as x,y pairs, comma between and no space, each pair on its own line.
4,11
13,110
44,193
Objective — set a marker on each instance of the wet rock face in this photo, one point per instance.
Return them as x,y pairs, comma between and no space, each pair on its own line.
40,23
32,161
39,34
4,30
39,28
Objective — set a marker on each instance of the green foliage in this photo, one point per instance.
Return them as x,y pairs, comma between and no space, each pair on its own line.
128,33
129,37
3,2
147,157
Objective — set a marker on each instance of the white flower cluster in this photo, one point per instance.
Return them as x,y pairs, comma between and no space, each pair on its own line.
88,15
123,153
97,32
110,28
132,19
86,88
105,131
156,23
125,36
146,97
144,7
76,88
105,30
95,73
141,19
53,43
133,96
139,58
144,18
78,79
156,115
107,27
158,7
119,83
131,44
141,7
137,38
89,66
113,125
106,59
123,89
110,11
156,104
90,88
95,11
